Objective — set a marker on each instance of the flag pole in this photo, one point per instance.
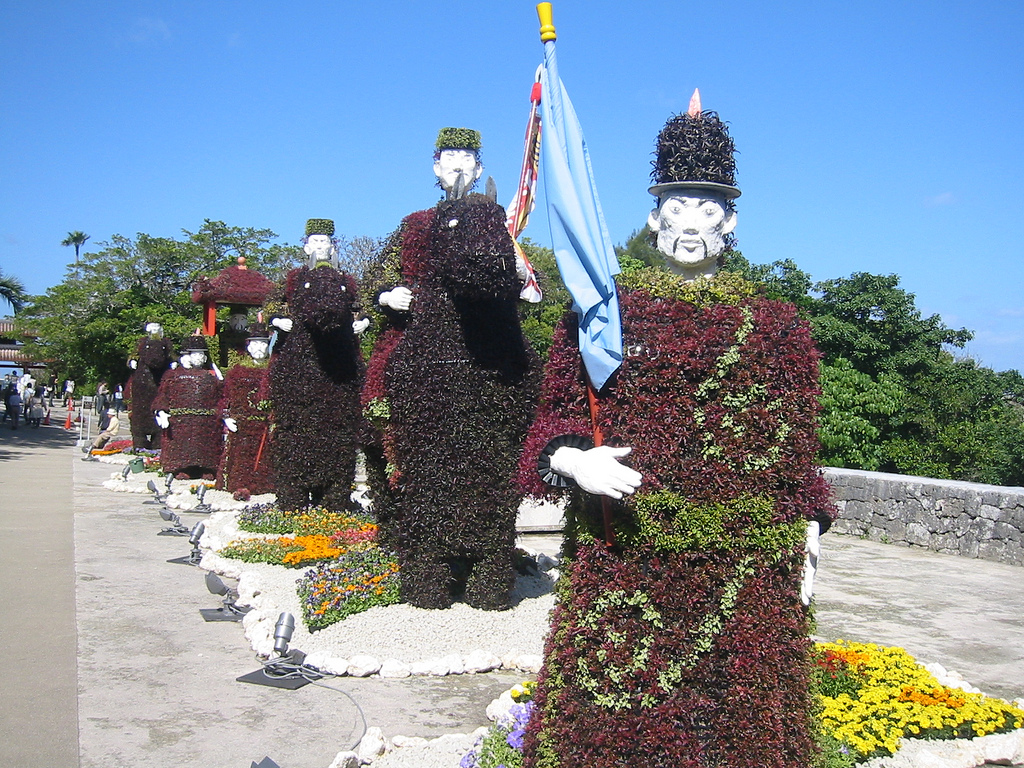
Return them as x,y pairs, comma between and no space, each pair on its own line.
548,36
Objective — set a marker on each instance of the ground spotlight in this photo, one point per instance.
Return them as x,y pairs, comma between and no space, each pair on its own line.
286,669
228,611
193,557
177,528
202,506
125,472
158,498
266,762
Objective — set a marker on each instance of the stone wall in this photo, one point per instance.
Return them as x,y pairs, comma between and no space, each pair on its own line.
969,519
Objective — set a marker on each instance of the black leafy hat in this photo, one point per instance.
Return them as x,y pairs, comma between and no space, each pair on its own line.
695,151
195,343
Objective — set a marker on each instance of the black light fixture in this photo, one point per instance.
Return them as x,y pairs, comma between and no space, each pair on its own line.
177,528
158,498
287,668
228,611
193,557
202,506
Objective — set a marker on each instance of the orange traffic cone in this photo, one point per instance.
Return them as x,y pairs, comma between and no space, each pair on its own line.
46,419
67,421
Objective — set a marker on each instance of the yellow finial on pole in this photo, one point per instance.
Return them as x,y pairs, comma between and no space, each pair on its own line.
547,27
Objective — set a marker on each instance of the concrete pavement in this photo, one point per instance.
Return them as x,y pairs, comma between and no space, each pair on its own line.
156,685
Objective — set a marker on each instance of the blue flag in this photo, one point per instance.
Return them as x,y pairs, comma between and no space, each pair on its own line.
579,235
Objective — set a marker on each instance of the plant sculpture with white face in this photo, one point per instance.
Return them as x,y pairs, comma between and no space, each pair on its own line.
321,248
453,165
258,349
692,225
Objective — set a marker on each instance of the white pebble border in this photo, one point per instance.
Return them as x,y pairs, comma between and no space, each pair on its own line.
389,642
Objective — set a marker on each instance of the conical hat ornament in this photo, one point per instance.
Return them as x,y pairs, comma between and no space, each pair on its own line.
695,151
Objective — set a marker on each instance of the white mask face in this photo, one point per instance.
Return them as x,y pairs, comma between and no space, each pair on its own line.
320,248
258,350
691,227
155,330
456,163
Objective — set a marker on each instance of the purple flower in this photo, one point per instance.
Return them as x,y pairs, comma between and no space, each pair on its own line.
515,738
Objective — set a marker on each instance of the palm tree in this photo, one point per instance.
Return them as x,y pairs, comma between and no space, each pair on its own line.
77,239
12,291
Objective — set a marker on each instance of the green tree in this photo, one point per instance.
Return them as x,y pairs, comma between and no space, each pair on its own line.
856,410
12,290
539,320
92,321
782,280
873,323
77,239
640,246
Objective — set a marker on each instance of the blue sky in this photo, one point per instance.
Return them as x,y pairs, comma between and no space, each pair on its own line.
878,137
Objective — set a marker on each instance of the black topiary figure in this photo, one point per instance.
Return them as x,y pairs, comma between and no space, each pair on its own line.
153,359
315,379
459,383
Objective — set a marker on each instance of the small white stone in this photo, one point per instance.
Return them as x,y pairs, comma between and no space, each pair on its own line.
346,759
530,662
481,661
508,659
408,741
372,745
455,665
421,668
335,665
393,668
499,708
438,667
363,666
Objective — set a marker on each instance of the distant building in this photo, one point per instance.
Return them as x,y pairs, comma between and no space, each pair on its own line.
13,358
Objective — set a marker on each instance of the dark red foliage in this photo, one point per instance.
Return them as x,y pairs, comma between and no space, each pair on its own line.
246,462
315,378
710,427
153,358
460,384
233,285
193,442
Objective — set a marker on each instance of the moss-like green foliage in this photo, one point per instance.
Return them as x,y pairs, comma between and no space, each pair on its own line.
724,288
458,138
320,227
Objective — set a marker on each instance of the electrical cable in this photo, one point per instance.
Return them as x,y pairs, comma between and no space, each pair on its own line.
285,670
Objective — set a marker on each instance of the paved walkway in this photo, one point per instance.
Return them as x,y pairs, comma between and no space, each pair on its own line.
154,684
39,704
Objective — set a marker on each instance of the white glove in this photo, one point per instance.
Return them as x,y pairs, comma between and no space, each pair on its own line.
398,298
284,323
810,561
231,424
133,364
163,419
174,365
597,470
360,325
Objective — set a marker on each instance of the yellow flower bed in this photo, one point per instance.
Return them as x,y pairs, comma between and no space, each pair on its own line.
899,698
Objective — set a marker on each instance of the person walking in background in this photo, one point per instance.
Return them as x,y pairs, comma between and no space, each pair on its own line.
102,395
69,394
118,398
14,408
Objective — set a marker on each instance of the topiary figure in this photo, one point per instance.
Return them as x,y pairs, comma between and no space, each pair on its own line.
315,379
680,637
152,360
451,385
